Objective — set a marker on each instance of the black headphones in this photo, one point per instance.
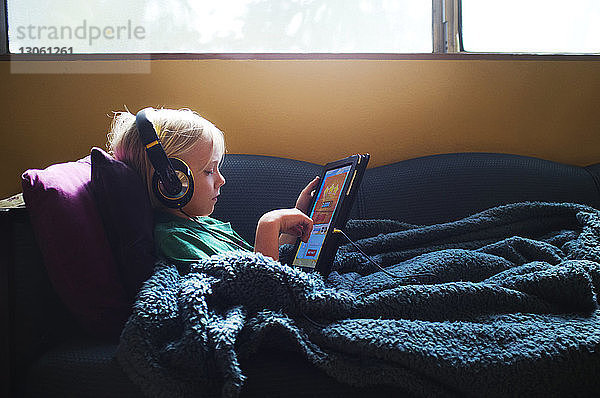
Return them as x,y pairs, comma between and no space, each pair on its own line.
172,181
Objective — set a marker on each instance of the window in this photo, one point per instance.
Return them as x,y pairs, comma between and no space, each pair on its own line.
531,26
224,26
300,26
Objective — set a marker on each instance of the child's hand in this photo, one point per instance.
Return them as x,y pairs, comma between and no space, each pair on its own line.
289,221
276,222
306,195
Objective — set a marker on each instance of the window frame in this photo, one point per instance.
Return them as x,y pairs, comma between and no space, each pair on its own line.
447,44
446,26
4,28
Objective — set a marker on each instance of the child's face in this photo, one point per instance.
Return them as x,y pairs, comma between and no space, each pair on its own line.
207,180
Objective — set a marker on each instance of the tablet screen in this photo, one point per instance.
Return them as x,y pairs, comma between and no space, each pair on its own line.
322,214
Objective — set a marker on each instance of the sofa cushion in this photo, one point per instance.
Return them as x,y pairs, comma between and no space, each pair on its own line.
442,188
74,246
127,218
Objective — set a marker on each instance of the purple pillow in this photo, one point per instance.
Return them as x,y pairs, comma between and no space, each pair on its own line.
74,246
127,216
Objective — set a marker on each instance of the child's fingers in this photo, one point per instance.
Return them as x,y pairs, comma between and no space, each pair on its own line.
314,182
311,185
306,231
297,231
306,195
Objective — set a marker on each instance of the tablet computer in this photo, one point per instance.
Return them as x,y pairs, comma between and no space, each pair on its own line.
331,204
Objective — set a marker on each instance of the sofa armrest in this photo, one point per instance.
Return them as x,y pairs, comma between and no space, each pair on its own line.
6,307
34,318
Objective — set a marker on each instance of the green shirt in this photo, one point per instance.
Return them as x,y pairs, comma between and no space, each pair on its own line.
188,241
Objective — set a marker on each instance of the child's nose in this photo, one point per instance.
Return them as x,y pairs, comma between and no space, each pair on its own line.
221,179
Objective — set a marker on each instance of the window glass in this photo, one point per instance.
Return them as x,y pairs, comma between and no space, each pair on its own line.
246,26
532,26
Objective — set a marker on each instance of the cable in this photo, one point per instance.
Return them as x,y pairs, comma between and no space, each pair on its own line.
239,244
314,323
187,215
339,231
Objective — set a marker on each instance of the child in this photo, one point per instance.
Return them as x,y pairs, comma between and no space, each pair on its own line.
188,234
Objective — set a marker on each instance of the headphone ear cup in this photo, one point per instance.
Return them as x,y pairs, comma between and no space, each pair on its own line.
180,199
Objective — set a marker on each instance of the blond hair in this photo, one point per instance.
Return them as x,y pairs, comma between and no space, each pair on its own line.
178,131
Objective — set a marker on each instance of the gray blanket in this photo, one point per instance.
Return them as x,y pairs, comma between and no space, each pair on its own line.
504,302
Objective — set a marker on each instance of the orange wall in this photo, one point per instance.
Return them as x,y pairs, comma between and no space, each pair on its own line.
314,110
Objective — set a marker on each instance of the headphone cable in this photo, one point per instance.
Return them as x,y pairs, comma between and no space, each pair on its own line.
186,214
240,245
339,231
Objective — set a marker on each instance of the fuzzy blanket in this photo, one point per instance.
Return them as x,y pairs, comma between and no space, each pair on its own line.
504,302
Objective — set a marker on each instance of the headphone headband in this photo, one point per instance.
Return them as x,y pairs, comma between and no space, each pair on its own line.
156,153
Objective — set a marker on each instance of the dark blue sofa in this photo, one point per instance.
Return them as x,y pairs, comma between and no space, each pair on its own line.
44,352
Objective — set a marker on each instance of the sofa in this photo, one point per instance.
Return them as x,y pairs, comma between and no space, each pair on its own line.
47,351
